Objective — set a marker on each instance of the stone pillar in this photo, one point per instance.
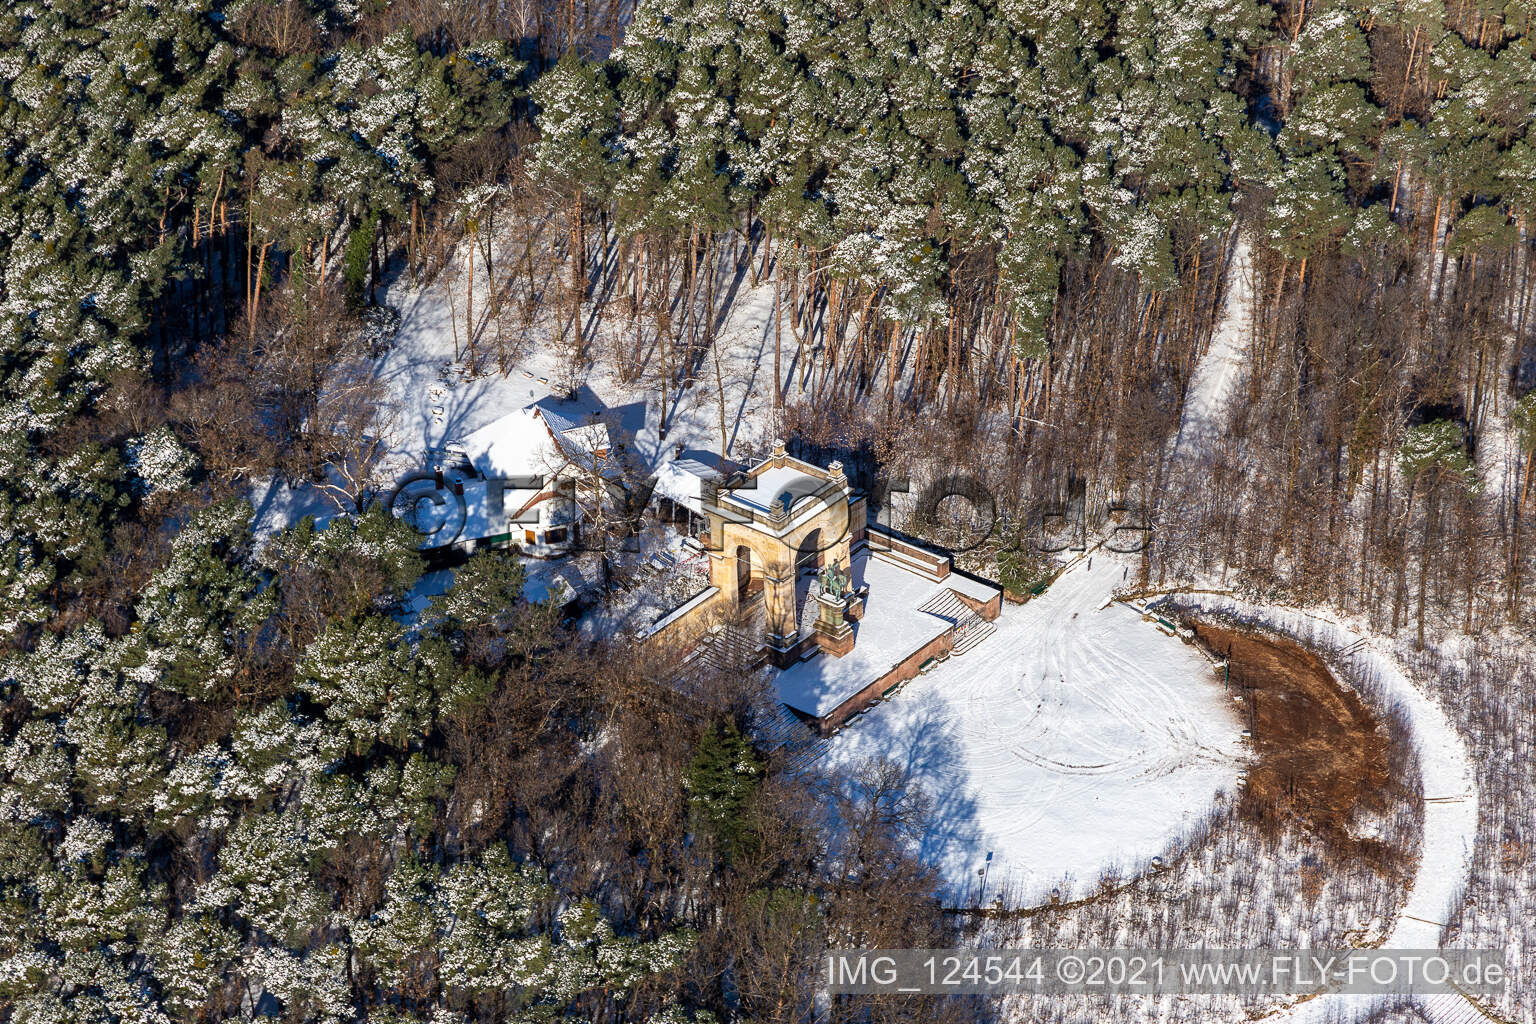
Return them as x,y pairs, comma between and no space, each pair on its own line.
850,531
722,567
779,593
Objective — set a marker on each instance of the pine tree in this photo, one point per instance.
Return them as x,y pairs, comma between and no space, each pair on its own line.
263,877
199,613
354,565
722,777
371,685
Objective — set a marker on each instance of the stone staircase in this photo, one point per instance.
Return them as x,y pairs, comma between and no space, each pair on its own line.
970,633
1453,1008
781,731
945,605
970,628
732,647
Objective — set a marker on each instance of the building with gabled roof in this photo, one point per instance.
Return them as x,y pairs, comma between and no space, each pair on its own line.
513,481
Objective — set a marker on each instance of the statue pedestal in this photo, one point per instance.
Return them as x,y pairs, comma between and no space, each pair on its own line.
833,634
855,610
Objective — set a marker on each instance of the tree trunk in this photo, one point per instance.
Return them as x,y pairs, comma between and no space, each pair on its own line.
778,329
578,278
261,264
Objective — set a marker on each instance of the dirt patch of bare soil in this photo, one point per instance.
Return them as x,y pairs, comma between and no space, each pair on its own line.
1323,762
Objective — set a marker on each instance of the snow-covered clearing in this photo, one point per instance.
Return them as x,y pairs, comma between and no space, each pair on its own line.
1221,370
1075,739
437,402
1498,458
1450,792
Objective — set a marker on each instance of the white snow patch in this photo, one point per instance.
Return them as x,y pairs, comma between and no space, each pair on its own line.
279,506
1498,460
1223,366
893,626
1075,739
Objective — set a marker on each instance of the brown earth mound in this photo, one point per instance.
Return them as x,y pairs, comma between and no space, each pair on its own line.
1322,758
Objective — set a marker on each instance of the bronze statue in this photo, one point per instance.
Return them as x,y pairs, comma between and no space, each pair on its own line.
833,580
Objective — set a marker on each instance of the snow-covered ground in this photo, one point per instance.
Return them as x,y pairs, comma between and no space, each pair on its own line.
659,575
893,626
1498,460
437,402
1223,367
435,399
1076,738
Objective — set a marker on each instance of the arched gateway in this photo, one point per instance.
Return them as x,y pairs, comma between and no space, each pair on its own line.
778,517
792,534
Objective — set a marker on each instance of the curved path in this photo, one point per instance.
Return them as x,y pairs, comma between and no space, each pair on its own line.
1450,800
1224,364
1450,789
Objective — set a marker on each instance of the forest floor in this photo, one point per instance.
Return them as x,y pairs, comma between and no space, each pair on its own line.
1290,743
1450,791
436,396
1224,367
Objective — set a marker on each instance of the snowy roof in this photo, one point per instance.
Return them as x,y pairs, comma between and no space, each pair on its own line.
483,510
480,520
558,418
577,421
518,444
489,514
531,442
760,492
571,573
975,589
683,480
538,589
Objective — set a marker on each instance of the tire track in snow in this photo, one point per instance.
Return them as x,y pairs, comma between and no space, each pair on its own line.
1074,738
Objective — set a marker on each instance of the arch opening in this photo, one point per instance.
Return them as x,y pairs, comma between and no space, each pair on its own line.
749,587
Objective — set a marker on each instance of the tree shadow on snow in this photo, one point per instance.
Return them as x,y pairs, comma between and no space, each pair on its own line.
915,737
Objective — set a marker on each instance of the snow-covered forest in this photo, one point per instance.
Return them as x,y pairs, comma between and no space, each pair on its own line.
1258,270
